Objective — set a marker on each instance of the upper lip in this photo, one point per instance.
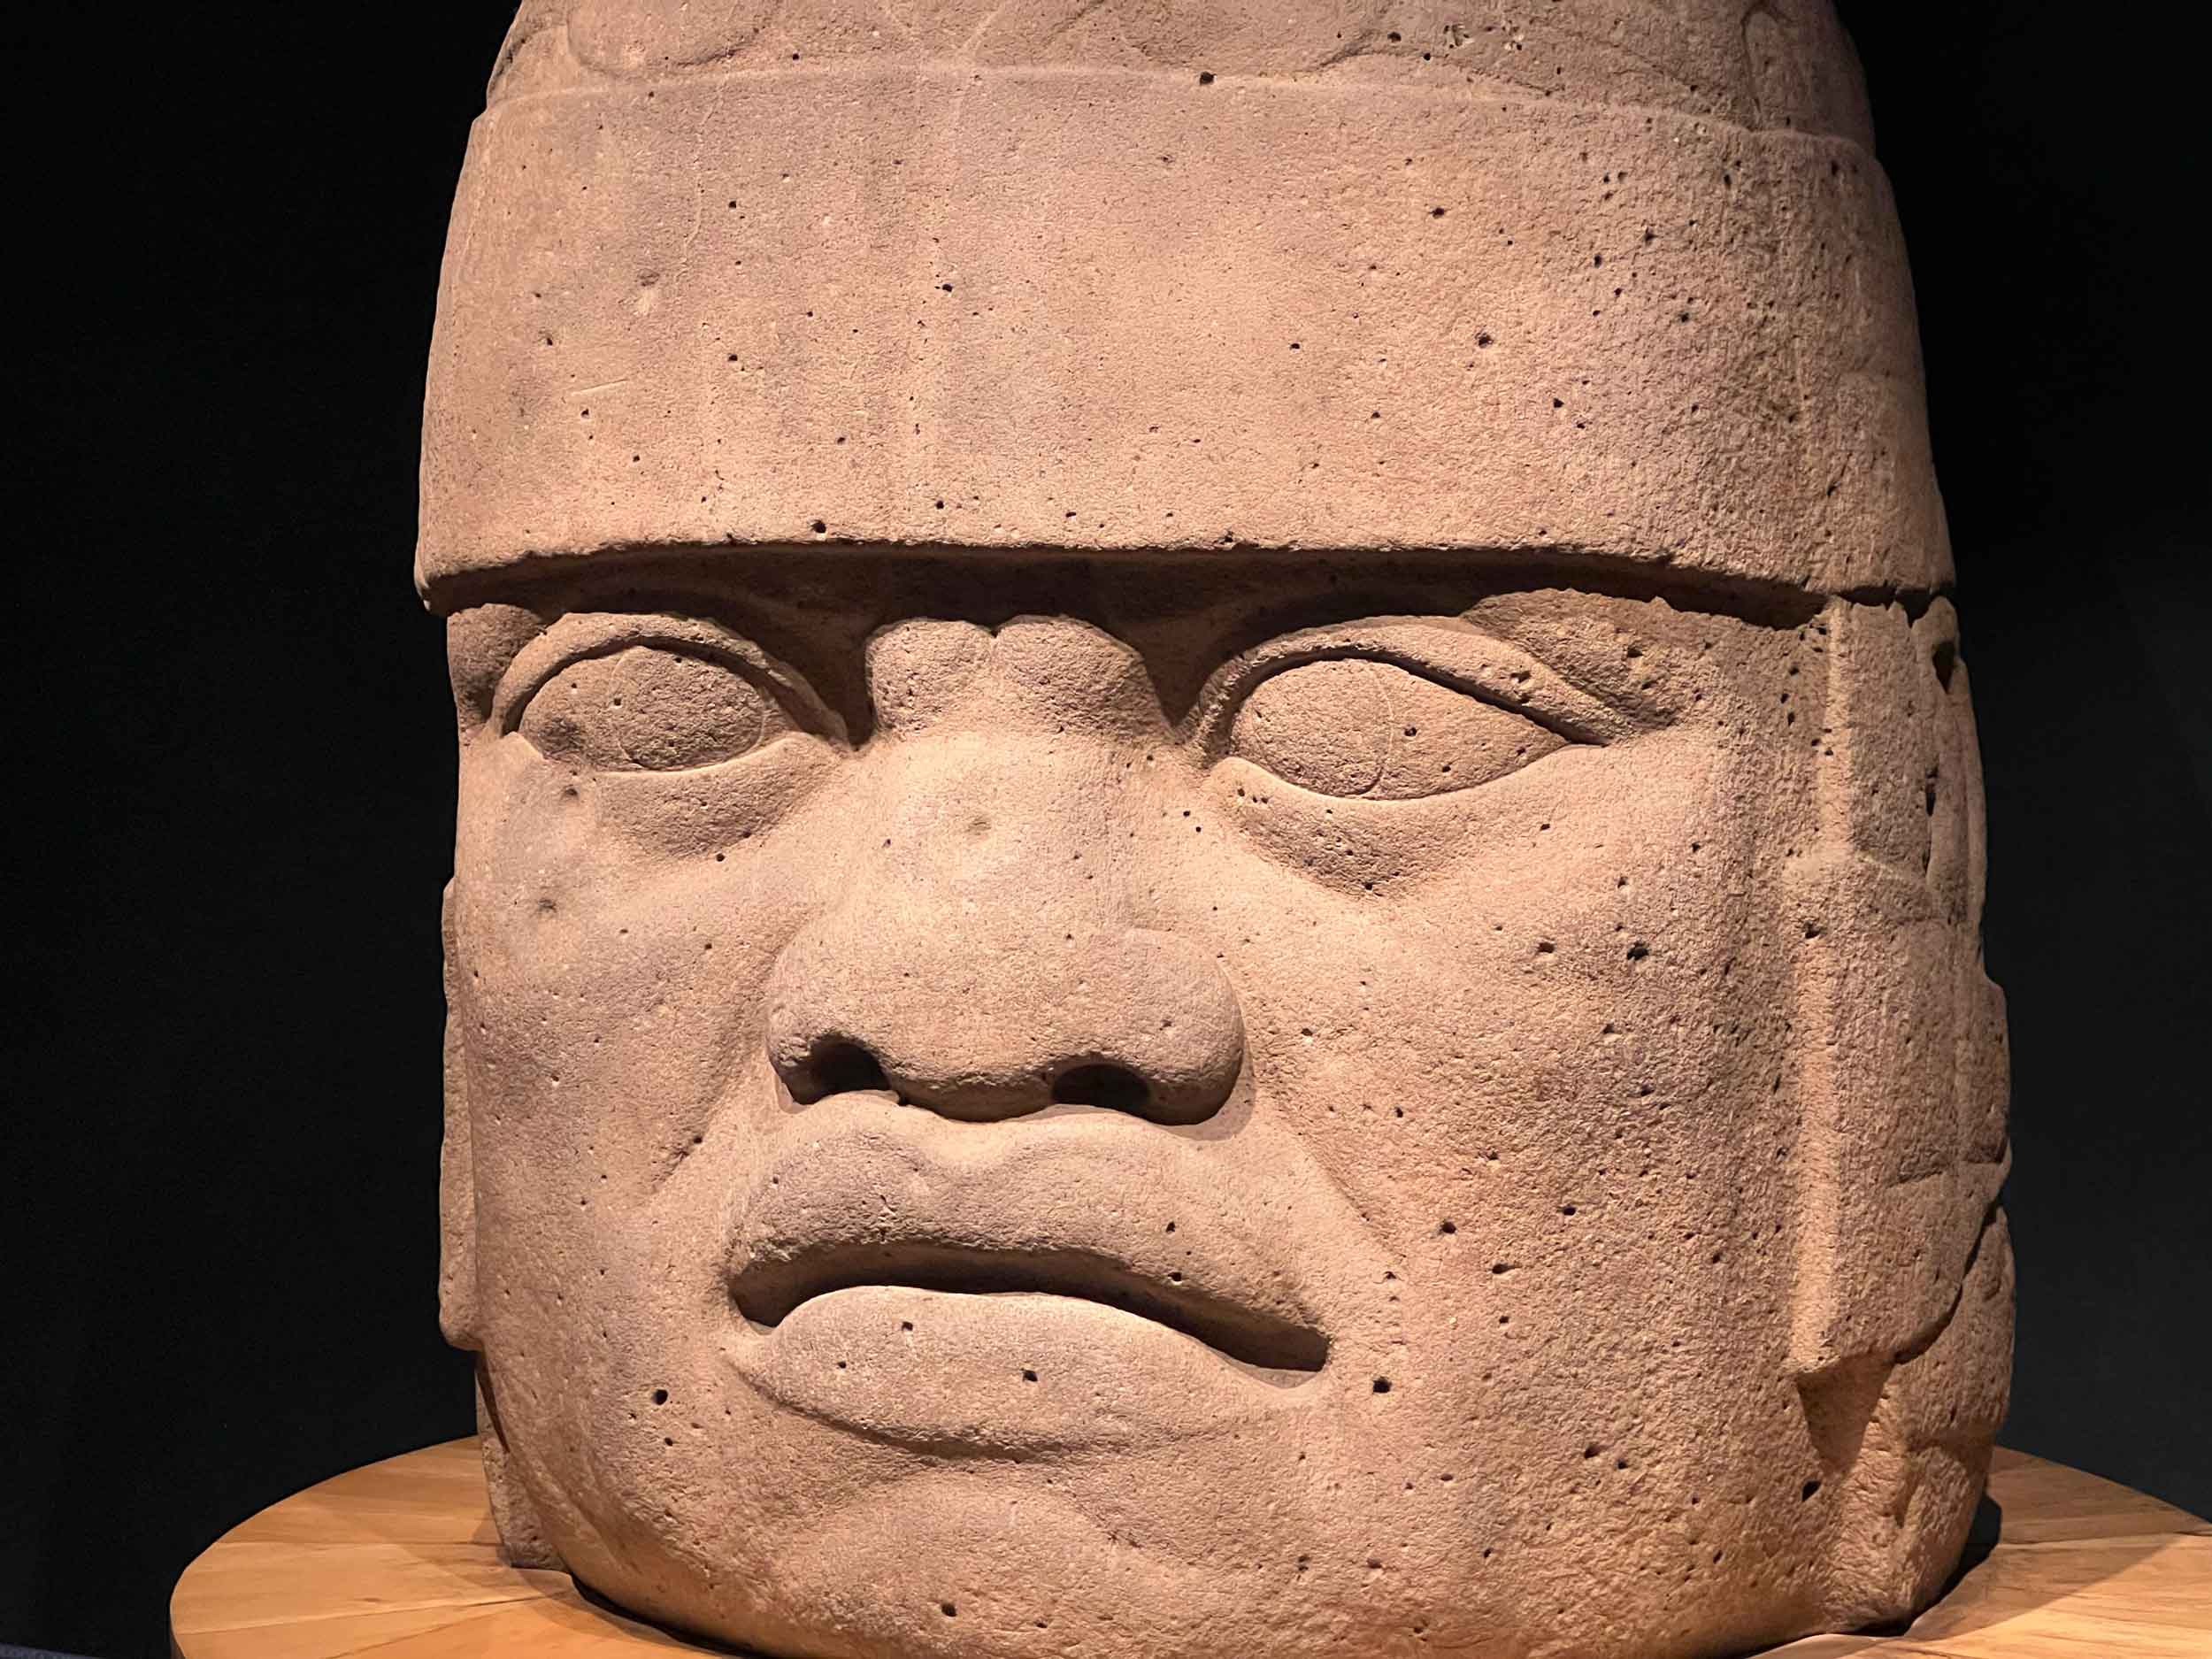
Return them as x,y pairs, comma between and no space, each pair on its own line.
1093,1206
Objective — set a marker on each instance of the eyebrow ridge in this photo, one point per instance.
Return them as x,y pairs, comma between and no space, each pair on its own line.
1592,718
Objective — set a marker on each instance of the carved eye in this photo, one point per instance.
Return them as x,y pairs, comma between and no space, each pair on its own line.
649,708
1356,727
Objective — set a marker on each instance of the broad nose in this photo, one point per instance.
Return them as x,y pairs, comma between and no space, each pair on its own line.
985,1023
983,959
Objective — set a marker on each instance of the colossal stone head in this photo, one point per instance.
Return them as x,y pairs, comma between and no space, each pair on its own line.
1220,860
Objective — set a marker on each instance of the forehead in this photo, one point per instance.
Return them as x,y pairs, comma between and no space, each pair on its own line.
1120,311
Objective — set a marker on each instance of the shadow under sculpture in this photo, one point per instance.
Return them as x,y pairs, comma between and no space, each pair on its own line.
1220,861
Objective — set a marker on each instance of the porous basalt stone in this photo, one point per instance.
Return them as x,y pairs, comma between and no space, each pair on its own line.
1219,866
1088,297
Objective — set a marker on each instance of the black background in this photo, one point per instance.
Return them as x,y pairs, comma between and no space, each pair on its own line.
232,744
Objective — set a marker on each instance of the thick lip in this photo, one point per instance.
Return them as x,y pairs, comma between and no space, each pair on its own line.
1086,1206
770,1288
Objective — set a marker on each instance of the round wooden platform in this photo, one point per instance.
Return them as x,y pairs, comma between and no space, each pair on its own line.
399,1559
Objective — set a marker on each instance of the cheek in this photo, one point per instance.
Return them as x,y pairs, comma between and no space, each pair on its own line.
1575,1004
612,982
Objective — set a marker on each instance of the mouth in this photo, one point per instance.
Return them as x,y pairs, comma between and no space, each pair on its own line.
998,1288
771,1289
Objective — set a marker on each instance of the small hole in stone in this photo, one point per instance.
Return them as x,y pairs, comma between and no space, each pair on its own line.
1114,1087
1205,77
843,1068
1382,1385
1029,1376
660,1396
1946,659
1450,1226
948,1609
1805,1493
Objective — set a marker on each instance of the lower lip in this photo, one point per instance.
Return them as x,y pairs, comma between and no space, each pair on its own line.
1017,1371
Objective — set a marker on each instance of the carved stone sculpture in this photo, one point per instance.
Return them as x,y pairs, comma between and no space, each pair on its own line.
1220,861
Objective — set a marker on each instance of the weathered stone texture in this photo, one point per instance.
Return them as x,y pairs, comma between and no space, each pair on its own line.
1219,871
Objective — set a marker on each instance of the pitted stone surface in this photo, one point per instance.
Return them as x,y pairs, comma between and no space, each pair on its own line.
1219,867
1025,299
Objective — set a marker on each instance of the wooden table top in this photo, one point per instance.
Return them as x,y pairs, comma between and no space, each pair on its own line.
399,1558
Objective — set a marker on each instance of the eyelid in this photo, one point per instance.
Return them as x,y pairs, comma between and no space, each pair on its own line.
582,635
1451,651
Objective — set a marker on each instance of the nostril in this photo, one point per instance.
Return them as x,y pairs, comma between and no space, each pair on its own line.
838,1068
1115,1088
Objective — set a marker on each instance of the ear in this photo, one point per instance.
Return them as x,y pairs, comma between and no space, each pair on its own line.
1903,1148
456,1169
1902,1328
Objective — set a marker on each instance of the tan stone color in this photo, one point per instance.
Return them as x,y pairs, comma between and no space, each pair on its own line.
1077,275
1219,868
